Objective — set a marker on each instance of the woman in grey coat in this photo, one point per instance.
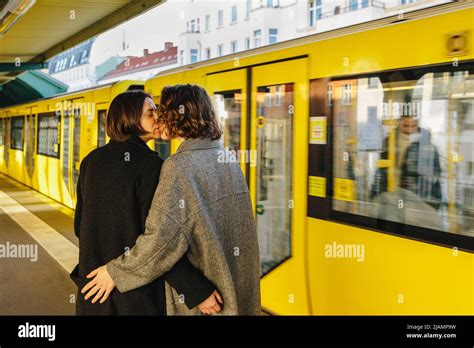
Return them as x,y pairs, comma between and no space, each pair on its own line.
203,210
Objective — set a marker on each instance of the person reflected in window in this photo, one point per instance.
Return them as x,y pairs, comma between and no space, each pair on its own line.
417,166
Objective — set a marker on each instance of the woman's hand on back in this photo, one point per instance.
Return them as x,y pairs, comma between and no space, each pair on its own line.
211,304
102,285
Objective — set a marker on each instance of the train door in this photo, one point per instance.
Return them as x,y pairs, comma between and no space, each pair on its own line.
78,105
229,93
7,142
30,141
72,145
279,115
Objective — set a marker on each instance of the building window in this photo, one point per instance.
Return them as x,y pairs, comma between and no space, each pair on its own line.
208,22
315,12
208,53
278,95
272,36
84,57
268,99
403,2
220,50
193,26
248,8
17,132
272,3
329,94
193,57
257,35
373,82
73,61
346,94
372,114
220,18
247,43
233,46
181,57
365,3
353,5
234,14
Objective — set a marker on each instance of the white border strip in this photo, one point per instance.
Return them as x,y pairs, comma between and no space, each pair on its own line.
58,246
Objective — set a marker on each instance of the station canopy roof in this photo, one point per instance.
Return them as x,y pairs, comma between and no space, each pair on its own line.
33,31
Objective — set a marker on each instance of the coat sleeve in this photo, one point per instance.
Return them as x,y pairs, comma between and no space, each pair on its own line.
156,251
190,282
183,276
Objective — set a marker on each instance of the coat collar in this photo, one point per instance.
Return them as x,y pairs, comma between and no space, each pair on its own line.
197,144
136,141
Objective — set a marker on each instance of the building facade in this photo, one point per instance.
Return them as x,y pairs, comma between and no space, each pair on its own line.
209,29
212,29
74,67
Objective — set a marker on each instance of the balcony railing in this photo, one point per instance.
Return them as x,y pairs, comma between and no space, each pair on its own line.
341,10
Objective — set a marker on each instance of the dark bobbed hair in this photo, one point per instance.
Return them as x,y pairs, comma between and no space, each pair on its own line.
123,117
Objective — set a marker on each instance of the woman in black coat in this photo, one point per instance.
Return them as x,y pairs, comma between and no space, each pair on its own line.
114,192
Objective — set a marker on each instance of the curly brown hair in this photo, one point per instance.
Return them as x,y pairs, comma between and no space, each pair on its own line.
186,111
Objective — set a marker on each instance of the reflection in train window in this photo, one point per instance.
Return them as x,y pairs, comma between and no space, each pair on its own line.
274,173
17,129
403,151
101,131
228,109
163,148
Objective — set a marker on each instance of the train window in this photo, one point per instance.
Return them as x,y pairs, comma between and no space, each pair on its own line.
48,143
101,132
274,174
403,148
163,148
228,108
17,132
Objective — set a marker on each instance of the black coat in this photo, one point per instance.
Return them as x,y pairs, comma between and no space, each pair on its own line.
114,192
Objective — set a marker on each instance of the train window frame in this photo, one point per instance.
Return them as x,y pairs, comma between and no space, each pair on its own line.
99,115
2,131
58,134
321,164
13,128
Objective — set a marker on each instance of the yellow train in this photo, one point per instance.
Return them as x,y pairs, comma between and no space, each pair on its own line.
352,218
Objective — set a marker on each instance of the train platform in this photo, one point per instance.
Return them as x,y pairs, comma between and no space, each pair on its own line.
38,249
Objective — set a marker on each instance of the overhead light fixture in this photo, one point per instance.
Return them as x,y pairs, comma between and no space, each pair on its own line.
11,11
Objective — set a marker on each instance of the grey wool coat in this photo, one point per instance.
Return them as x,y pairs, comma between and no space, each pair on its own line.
201,208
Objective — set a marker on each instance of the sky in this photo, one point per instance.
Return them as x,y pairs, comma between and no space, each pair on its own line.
149,30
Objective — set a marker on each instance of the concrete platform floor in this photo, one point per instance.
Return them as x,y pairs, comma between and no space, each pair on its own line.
41,231
37,250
